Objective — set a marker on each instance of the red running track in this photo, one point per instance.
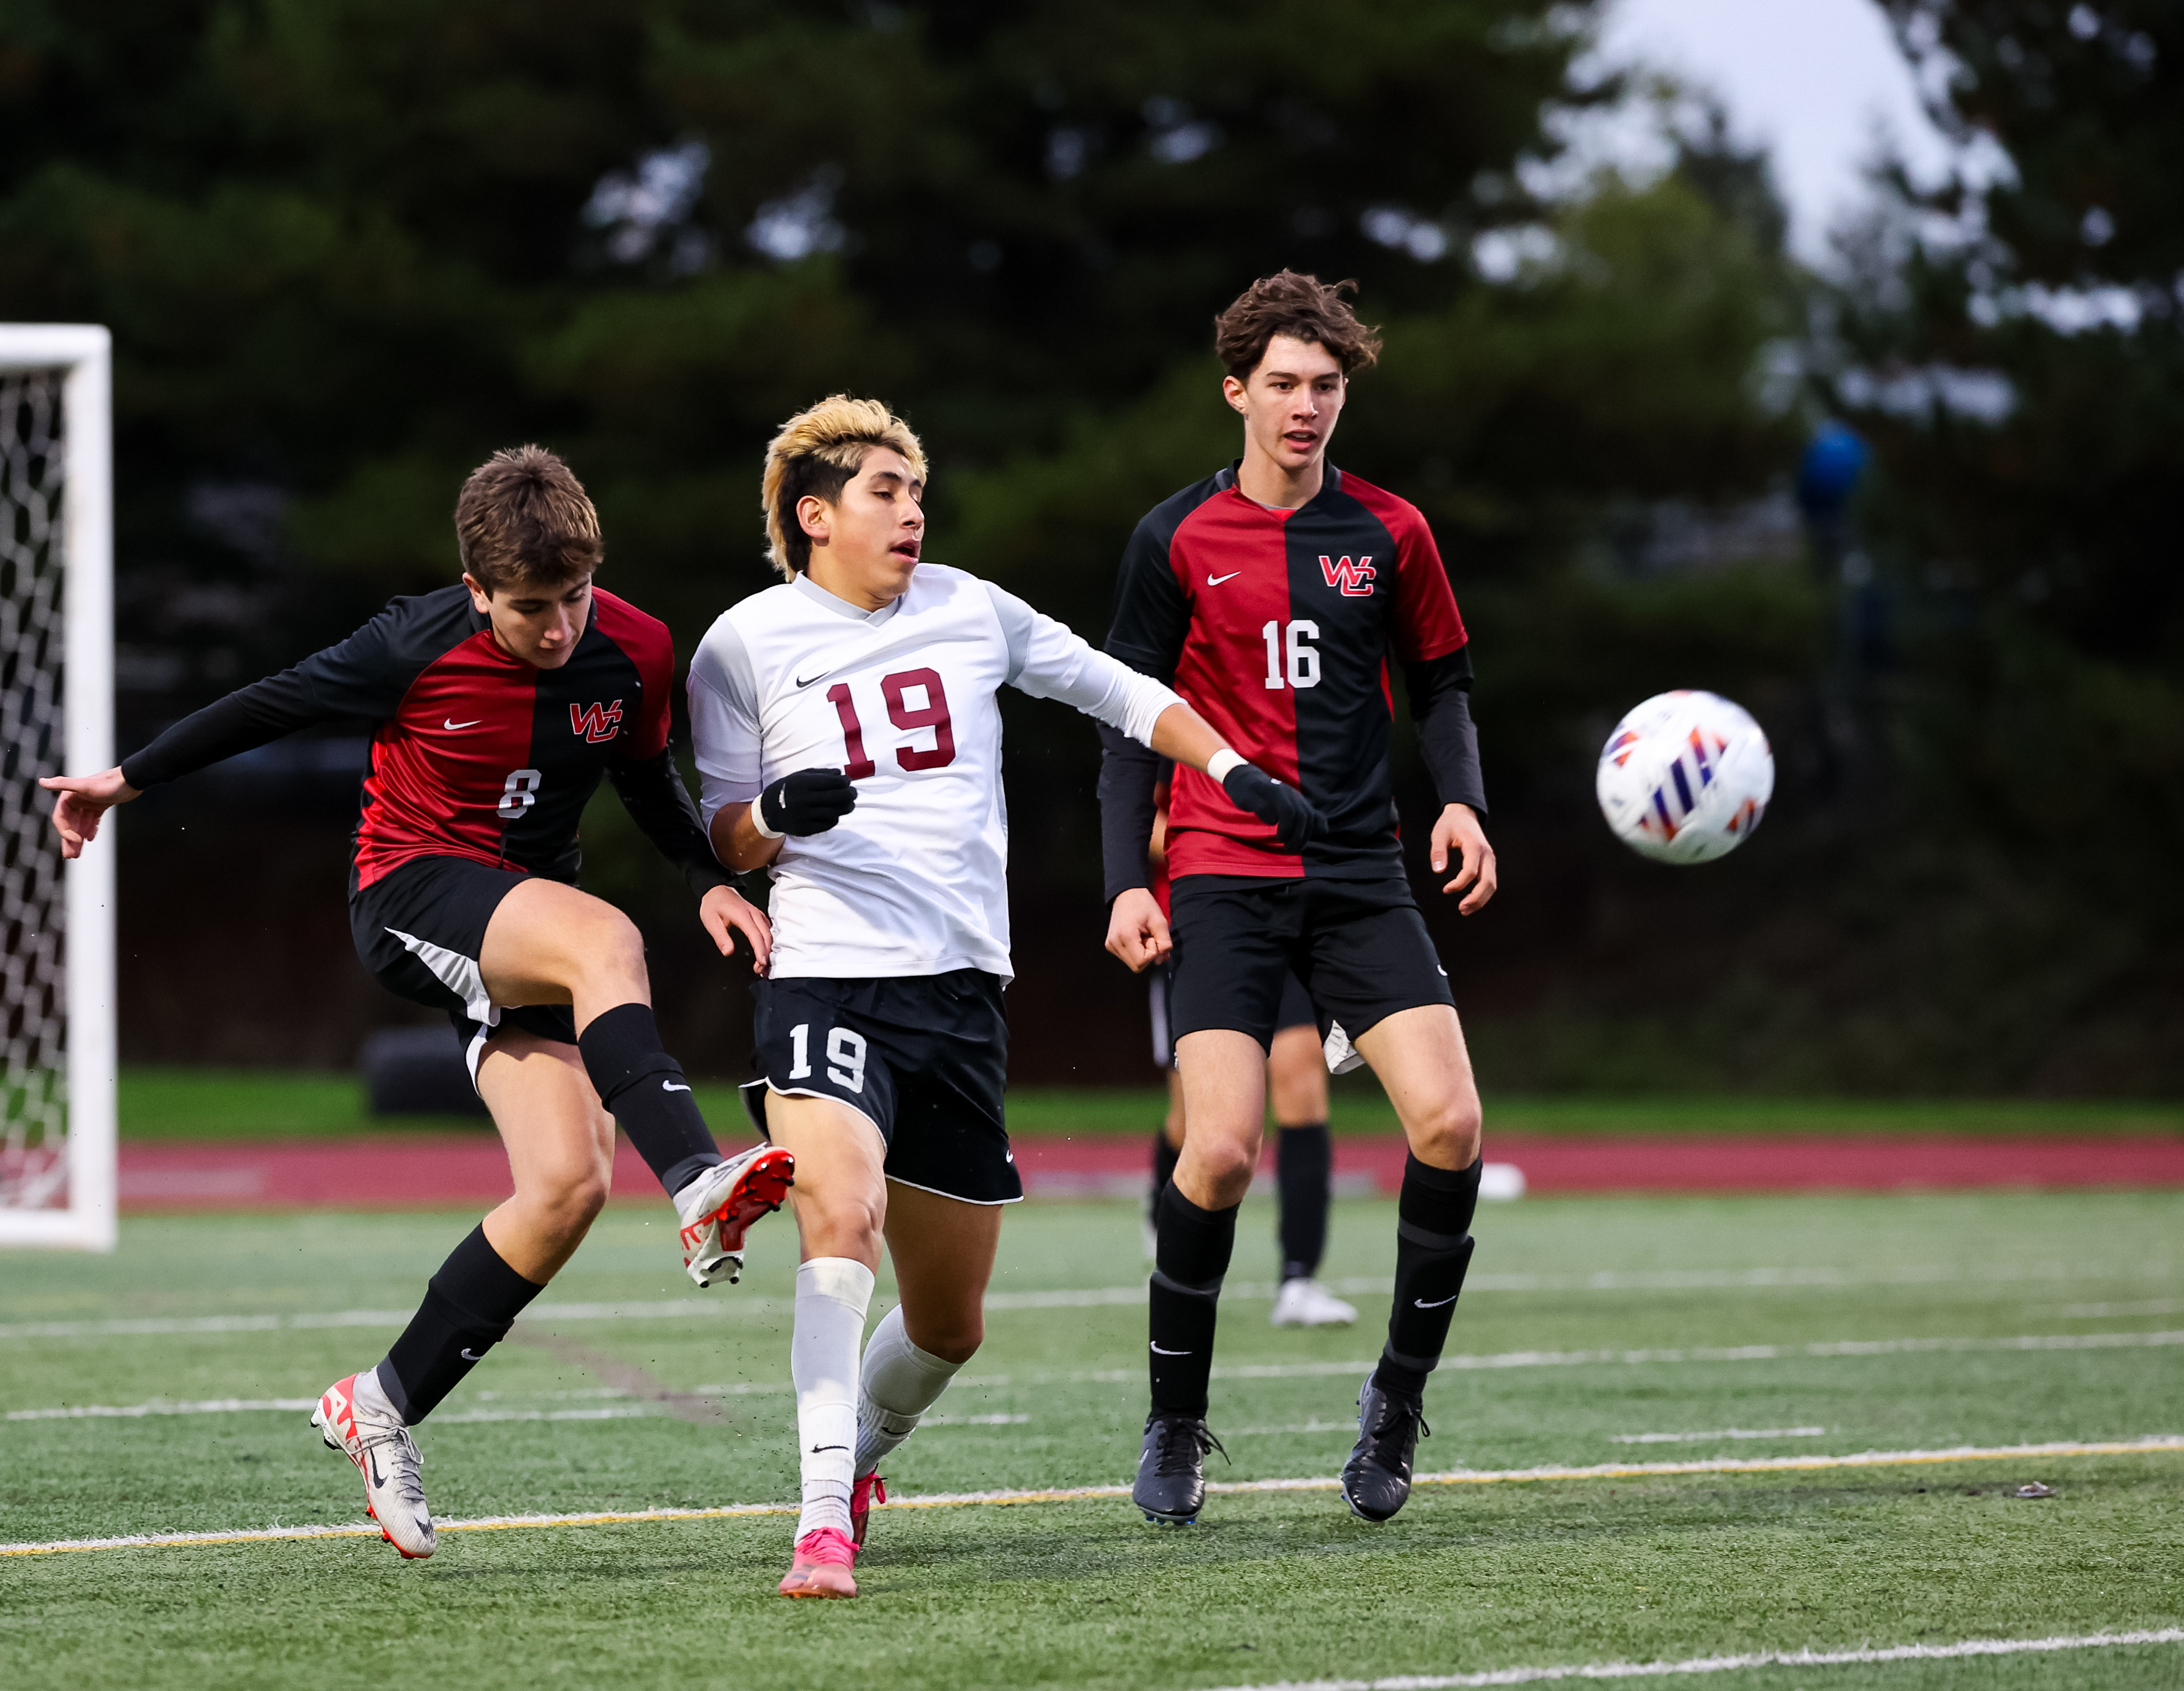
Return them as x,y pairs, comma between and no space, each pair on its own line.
404,1171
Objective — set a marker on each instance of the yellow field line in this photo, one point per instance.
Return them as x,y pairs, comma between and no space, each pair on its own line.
1611,1471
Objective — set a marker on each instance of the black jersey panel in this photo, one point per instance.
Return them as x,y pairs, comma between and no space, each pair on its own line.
1341,561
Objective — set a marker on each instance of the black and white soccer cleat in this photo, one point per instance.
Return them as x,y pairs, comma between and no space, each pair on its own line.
1171,1484
1376,1480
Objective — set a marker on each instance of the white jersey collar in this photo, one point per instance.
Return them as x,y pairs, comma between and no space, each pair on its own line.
841,607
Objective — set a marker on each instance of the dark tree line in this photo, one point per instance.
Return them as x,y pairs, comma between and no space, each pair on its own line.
350,247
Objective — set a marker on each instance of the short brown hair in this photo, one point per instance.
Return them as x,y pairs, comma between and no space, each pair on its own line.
1302,307
816,452
523,519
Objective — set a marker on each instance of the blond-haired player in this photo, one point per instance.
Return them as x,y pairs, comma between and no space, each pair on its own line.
849,741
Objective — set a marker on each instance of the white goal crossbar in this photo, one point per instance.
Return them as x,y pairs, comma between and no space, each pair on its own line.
82,1168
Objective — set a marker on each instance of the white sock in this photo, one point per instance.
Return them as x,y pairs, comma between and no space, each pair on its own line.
901,1383
832,1296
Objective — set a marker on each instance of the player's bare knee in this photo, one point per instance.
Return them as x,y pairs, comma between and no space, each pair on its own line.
1449,1137
570,1203
1226,1170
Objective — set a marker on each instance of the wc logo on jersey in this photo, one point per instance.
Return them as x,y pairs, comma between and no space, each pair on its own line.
598,723
1356,580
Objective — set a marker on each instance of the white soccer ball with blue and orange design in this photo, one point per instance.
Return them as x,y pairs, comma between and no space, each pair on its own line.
1684,778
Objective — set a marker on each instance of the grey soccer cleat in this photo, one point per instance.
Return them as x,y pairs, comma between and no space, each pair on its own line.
355,1418
1170,1485
1376,1480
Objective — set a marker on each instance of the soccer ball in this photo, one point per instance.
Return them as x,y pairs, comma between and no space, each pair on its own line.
1684,778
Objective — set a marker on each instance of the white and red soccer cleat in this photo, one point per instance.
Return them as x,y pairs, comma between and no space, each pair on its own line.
824,1558
869,1489
718,1207
355,1419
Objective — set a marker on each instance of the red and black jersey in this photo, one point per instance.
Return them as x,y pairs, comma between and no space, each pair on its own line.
1278,626
476,754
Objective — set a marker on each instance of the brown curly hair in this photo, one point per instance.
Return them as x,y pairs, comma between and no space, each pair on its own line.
1303,308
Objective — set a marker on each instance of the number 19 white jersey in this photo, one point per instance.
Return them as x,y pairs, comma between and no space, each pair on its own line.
915,879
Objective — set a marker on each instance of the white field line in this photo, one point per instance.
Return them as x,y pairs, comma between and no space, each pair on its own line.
1728,1664
1098,1296
1270,1371
2162,1444
1725,1432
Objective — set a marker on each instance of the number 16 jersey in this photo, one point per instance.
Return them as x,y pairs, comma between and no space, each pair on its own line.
914,881
1277,626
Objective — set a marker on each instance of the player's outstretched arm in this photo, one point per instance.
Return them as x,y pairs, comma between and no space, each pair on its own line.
83,800
246,719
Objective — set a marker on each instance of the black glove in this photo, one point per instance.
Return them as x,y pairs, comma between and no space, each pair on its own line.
1294,817
809,802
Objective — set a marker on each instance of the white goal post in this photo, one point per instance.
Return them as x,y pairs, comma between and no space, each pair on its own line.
58,978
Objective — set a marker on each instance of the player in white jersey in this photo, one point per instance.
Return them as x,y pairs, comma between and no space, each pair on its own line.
848,737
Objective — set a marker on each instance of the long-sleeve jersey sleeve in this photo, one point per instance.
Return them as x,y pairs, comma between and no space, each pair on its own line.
651,790
360,677
1440,705
1046,661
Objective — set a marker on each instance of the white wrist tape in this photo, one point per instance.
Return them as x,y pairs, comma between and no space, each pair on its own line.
758,820
1221,762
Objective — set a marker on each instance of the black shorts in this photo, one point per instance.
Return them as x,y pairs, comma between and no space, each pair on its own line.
419,929
923,1058
1296,1011
1360,950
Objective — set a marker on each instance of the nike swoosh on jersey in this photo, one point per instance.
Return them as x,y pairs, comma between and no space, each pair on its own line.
1423,1304
1216,581
806,680
670,1086
451,726
1157,1351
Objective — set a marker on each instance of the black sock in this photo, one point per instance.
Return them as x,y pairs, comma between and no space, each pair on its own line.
1195,1247
643,1088
1165,1158
1304,1166
469,1306
1433,1248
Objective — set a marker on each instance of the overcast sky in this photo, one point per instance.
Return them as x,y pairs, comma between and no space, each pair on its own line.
1819,82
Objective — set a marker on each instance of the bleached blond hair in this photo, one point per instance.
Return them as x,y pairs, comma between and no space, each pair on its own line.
816,452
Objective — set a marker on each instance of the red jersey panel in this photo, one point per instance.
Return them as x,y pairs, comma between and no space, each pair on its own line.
1277,627
479,755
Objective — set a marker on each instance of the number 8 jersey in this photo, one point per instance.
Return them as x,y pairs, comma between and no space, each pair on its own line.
913,881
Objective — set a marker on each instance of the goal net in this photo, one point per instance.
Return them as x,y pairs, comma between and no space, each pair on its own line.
57,975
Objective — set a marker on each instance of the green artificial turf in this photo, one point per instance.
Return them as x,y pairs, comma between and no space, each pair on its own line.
233,1103
1588,1323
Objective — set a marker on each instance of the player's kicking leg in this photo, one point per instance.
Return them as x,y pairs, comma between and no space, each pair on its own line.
550,944
1419,1055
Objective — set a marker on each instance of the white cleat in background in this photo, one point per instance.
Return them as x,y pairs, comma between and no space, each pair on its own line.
355,1418
1307,1303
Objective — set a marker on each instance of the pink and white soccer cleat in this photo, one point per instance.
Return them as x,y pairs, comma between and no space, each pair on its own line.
869,1489
355,1418
824,1558
718,1207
